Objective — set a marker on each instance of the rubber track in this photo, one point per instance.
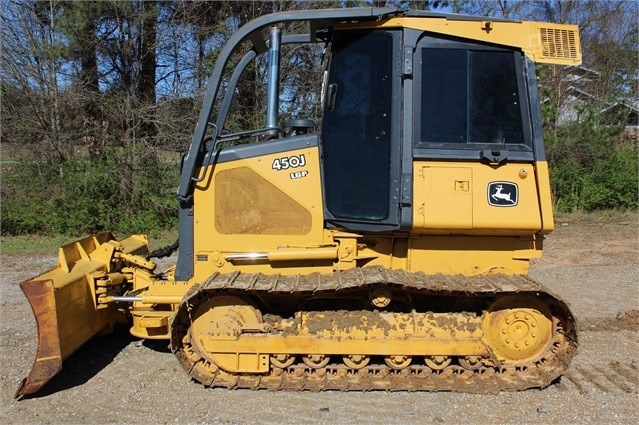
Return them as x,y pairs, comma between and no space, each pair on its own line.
537,374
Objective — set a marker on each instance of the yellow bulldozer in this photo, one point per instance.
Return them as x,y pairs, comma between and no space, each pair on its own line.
385,246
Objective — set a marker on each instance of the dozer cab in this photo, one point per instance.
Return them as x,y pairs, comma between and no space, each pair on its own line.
385,246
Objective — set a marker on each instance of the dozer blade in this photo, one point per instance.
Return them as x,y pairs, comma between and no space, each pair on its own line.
64,303
48,360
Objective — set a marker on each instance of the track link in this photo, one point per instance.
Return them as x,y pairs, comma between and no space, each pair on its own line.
536,373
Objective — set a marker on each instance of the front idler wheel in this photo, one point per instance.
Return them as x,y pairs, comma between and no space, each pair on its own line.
518,329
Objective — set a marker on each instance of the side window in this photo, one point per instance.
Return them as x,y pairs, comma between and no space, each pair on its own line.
444,96
469,97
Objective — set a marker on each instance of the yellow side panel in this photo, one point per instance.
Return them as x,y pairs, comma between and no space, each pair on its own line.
472,255
250,206
474,198
444,185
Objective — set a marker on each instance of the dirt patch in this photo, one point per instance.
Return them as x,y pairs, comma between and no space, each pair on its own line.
592,241
626,320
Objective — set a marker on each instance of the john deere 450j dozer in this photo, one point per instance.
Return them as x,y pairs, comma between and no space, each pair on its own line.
385,248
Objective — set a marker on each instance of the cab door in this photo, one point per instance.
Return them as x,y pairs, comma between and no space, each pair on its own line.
475,159
361,132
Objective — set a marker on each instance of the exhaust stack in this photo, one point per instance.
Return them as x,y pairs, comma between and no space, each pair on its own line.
273,78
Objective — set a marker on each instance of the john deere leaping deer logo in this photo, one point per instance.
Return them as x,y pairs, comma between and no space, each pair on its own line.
503,194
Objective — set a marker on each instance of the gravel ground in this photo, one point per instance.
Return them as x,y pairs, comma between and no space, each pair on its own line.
590,263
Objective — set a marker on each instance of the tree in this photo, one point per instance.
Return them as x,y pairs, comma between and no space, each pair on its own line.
148,65
78,21
32,65
507,9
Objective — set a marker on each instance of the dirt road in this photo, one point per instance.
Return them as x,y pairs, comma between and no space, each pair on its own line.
591,263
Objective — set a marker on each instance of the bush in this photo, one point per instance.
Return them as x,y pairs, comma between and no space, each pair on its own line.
590,170
126,191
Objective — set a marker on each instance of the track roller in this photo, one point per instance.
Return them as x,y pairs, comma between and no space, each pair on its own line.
398,362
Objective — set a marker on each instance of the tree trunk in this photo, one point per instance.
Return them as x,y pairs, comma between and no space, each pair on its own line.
146,86
88,77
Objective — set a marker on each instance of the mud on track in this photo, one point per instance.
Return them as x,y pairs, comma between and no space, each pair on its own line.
591,263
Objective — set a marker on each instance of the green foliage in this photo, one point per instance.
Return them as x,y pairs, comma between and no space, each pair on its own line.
590,169
122,190
613,182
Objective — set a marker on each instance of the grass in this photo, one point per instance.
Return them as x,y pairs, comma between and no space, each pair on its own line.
32,244
48,245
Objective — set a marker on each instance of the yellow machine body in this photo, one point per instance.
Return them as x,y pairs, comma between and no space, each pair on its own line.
255,210
273,288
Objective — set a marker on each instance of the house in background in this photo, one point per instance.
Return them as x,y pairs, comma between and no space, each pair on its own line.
575,94
622,113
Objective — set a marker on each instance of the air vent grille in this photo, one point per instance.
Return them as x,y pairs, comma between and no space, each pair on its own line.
559,43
